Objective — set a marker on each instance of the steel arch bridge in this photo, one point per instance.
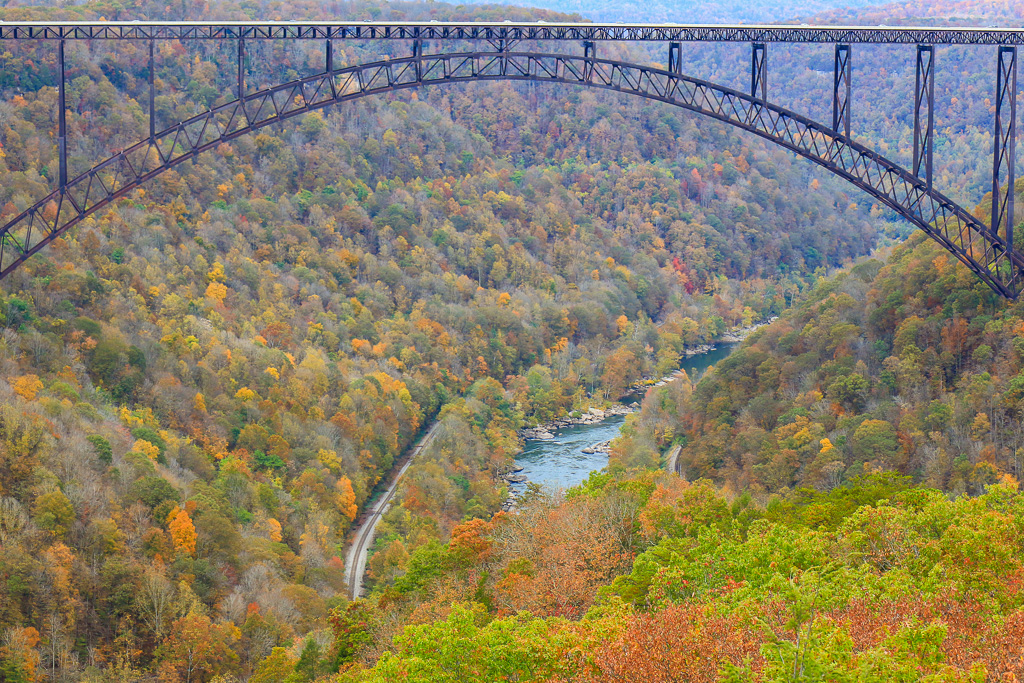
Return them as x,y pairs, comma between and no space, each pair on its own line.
987,250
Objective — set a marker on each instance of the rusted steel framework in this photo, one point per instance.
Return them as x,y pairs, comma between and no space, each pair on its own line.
982,250
515,31
987,250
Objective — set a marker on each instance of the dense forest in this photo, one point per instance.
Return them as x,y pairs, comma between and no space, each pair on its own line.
905,365
849,510
205,383
203,386
875,580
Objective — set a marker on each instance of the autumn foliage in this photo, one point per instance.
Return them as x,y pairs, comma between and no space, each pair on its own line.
205,384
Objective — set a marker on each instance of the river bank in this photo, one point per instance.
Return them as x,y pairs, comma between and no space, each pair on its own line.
562,453
729,339
596,415
564,460
593,416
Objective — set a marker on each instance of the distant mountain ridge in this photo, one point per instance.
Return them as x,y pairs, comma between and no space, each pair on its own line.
1008,13
700,12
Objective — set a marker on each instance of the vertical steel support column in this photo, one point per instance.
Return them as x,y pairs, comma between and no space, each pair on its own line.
417,51
329,65
924,94
841,91
1005,139
152,96
675,57
241,68
759,71
62,126
589,52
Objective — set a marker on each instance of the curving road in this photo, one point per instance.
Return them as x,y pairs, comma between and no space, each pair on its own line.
355,561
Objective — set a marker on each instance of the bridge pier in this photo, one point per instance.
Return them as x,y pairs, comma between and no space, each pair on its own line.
759,71
841,85
675,64
241,68
1005,142
589,53
924,96
152,95
329,65
417,51
62,128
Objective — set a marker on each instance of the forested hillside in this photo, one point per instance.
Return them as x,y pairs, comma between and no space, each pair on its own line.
202,387
204,383
876,581
857,515
908,366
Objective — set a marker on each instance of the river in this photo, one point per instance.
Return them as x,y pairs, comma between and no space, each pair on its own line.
560,462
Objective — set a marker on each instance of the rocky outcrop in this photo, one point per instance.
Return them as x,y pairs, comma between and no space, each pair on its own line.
510,502
602,447
536,433
592,417
744,332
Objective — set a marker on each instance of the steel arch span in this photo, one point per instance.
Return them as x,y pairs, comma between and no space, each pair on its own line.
982,250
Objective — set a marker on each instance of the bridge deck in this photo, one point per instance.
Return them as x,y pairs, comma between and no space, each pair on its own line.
434,30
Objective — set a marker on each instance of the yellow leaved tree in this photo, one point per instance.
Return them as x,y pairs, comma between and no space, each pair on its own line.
27,386
183,531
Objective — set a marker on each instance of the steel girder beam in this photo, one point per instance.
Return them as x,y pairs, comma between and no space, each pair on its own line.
924,124
1005,138
329,63
982,251
499,44
514,31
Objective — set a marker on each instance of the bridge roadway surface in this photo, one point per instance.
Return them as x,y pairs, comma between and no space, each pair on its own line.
507,31
355,561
